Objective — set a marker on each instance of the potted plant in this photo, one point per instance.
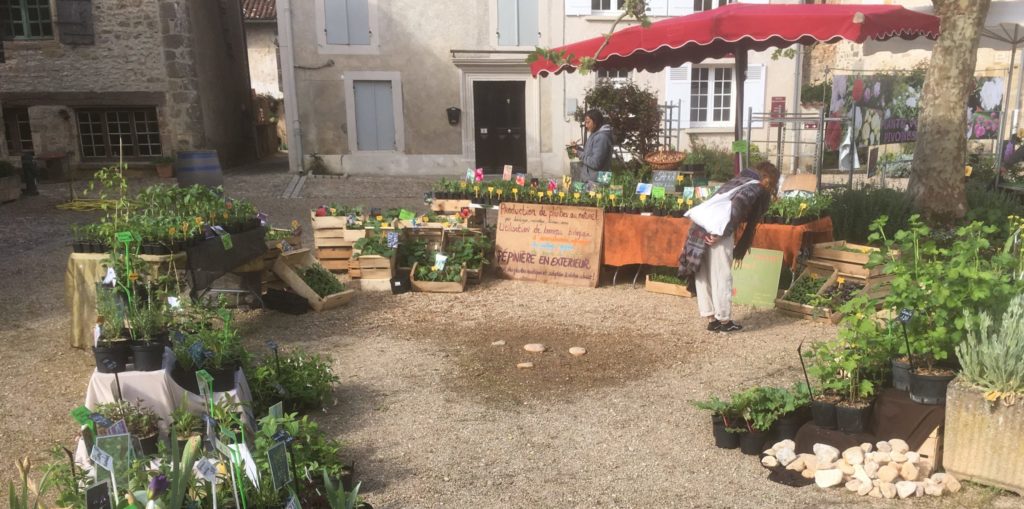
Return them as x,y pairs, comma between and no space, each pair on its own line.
761,407
985,405
185,424
794,412
303,382
375,254
825,368
147,324
451,278
140,421
111,350
470,251
724,417
164,166
219,351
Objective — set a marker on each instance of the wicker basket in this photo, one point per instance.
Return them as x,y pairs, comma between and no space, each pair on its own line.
668,160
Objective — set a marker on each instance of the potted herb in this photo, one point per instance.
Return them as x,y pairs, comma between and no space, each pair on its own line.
147,324
724,417
303,382
164,167
219,351
185,424
469,250
140,421
824,367
322,281
761,407
985,404
111,350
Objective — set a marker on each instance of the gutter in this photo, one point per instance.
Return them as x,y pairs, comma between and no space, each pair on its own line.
291,102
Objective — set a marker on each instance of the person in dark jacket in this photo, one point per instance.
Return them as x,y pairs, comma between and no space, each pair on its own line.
596,153
709,259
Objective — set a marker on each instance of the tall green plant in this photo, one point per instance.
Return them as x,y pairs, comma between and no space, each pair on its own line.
632,112
853,210
992,357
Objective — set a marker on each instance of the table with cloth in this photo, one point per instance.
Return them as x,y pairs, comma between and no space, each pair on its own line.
84,271
631,239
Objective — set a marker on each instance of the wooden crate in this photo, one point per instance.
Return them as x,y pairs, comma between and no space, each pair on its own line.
274,251
372,267
666,288
285,268
451,236
435,287
802,310
449,206
846,262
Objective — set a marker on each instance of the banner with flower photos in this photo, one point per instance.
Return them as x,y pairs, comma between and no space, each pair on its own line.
883,108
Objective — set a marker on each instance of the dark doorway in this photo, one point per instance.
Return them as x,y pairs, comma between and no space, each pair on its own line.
500,125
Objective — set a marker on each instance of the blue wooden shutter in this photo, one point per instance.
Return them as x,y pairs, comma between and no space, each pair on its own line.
347,22
529,25
507,23
336,21
375,115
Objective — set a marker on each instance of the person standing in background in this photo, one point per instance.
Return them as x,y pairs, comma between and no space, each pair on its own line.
709,258
596,153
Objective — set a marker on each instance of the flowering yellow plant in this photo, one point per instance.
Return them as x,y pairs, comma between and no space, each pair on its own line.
643,198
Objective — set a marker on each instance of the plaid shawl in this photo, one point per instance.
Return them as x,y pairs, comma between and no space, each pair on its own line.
748,205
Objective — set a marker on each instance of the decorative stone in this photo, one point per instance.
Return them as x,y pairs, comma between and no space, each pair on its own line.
906,488
933,489
769,461
897,457
899,445
866,447
913,457
500,342
768,452
853,485
888,473
924,468
909,472
861,475
939,478
920,489
810,461
871,468
951,483
785,456
828,478
875,492
883,446
854,456
888,489
844,467
881,457
825,453
864,489
524,365
807,474
797,465
577,351
785,444
534,347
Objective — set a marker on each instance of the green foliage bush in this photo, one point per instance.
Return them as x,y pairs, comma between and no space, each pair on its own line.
632,112
303,382
992,358
717,161
853,211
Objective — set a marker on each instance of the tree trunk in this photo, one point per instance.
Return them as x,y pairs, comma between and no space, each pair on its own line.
937,175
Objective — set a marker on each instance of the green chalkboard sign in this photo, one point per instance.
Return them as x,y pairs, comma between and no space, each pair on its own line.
756,282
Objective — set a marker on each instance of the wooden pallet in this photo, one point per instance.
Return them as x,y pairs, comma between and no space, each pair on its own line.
847,263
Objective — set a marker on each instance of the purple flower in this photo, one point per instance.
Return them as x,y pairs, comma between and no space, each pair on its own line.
157,486
979,130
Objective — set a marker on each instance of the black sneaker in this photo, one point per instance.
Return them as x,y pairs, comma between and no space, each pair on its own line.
714,325
729,326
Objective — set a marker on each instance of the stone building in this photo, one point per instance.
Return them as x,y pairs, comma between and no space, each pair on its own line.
98,79
369,84
261,41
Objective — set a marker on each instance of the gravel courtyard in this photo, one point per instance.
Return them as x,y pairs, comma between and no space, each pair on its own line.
432,414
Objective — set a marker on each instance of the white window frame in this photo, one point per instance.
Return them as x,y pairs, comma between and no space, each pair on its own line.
711,94
395,78
324,48
606,12
720,4
618,81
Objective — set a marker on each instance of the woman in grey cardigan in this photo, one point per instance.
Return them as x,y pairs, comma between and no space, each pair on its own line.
596,154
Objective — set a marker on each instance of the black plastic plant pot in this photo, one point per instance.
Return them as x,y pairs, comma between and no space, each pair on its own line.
148,356
115,354
787,425
149,447
929,389
824,414
853,419
185,378
723,439
900,375
752,442
223,379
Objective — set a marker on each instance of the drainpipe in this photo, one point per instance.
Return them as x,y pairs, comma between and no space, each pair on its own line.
798,125
285,44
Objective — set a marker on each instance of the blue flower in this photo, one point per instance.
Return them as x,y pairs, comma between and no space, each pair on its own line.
157,486
196,353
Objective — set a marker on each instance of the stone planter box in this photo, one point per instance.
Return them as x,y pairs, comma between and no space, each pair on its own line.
10,188
983,441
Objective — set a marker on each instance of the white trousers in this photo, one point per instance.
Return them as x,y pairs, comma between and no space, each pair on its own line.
714,280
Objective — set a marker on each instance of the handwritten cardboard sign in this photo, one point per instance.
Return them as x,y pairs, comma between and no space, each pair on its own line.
665,179
549,243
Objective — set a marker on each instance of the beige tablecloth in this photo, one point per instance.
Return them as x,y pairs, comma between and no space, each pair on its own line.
84,270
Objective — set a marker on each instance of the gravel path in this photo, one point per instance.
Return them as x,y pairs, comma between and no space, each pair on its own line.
433,415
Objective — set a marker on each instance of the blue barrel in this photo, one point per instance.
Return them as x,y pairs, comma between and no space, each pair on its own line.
198,167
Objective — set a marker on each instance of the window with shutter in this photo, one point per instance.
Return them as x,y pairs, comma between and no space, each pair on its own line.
677,92
657,7
518,23
27,19
121,132
18,131
75,22
711,96
680,7
753,92
577,7
347,22
375,117
707,5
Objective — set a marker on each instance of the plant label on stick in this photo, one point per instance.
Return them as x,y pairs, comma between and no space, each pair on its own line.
439,261
206,470
101,459
739,146
81,416
643,188
225,238
293,503
604,177
906,314
406,215
280,474
110,364
117,428
276,410
469,174
124,237
100,420
658,192
205,380
506,172
98,496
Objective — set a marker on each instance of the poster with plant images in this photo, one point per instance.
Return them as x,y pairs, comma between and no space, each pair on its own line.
884,107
